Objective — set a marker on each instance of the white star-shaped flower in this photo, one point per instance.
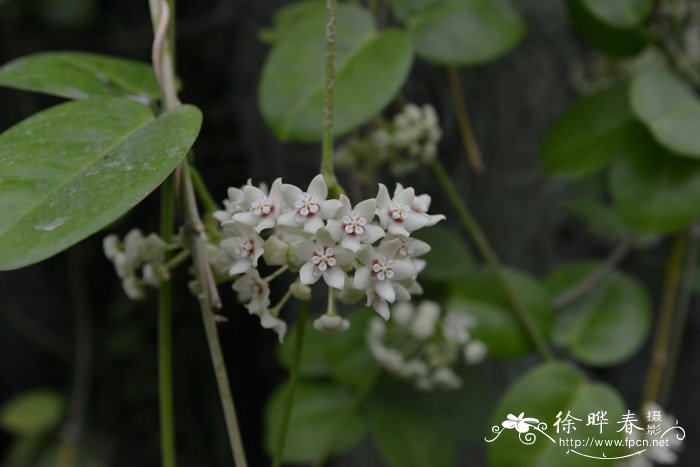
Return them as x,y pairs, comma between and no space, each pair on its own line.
379,274
308,208
263,209
322,258
253,292
354,227
244,249
396,214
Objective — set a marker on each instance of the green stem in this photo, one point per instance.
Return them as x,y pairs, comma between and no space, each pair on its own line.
276,274
350,408
329,104
522,313
177,260
165,362
681,318
202,191
293,377
659,354
463,121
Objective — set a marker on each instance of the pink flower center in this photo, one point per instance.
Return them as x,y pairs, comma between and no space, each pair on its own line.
324,258
353,224
307,205
263,207
399,212
382,269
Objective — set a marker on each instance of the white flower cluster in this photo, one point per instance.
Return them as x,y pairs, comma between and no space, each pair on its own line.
422,345
660,454
138,261
324,240
410,139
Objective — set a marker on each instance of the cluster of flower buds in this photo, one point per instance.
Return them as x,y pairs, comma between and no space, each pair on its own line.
365,250
423,345
410,139
138,261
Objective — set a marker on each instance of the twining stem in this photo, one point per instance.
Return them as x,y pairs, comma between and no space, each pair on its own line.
350,408
659,353
202,191
203,274
165,359
164,65
587,284
463,122
477,235
209,300
293,377
329,104
681,318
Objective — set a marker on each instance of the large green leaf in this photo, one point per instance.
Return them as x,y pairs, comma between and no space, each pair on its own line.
654,190
79,75
541,394
670,109
497,324
606,325
611,40
318,409
588,135
32,412
409,432
464,32
69,171
449,257
619,13
371,66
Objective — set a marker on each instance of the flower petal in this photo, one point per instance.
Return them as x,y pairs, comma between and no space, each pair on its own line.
318,187
362,279
306,274
334,277
385,289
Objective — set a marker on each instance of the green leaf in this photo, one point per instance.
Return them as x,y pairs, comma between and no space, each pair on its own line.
371,67
343,356
608,324
465,32
407,431
669,107
285,18
588,135
318,407
652,189
541,394
69,171
32,412
497,325
619,13
611,40
606,222
449,257
79,75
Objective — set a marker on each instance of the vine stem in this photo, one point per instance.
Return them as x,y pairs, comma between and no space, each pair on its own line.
293,378
660,350
329,104
202,191
463,121
522,313
587,284
165,359
209,300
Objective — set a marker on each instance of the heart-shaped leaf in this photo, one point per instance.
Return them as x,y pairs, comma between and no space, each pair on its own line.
669,108
588,135
606,325
449,257
318,408
69,171
79,75
654,190
371,67
408,431
463,32
541,394
497,324
619,13
611,40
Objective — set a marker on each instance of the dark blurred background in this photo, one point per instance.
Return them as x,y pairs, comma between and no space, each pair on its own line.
512,102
